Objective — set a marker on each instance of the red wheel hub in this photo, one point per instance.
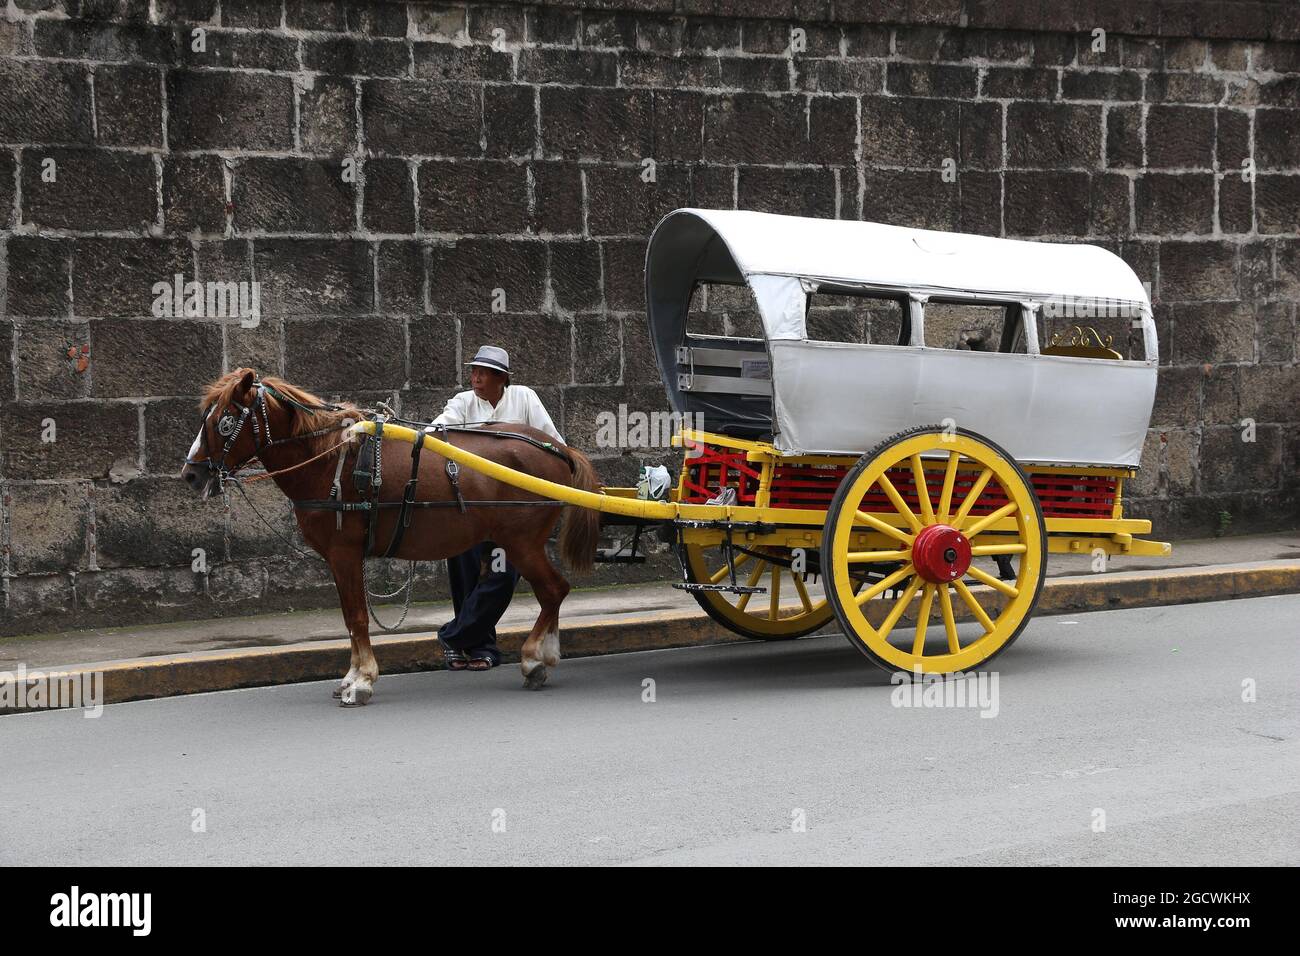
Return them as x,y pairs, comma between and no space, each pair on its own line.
940,553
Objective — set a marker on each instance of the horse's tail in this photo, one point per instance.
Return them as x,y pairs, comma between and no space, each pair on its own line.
581,531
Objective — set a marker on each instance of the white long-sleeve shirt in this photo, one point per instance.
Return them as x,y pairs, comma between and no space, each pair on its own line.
519,403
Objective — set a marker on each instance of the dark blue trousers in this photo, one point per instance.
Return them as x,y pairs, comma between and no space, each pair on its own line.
479,599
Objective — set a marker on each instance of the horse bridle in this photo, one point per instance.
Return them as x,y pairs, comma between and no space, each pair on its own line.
230,427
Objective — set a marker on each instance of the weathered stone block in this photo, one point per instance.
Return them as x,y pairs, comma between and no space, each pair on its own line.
150,522
92,189
620,203
1277,203
308,277
292,195
921,200
194,194
128,106
587,67
596,123
230,50
112,277
1047,203
324,354
401,278
406,117
575,275
1276,325
1197,270
1213,332
1178,396
52,359
255,14
473,196
597,352
39,276
229,110
791,192
510,121
434,361
557,198
909,132
170,426
1227,463
47,526
256,347
1053,135
357,56
1174,204
146,357
753,128
1180,137
327,116
624,273
90,438
463,275
1019,83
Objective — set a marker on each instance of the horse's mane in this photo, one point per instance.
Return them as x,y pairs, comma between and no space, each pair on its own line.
300,421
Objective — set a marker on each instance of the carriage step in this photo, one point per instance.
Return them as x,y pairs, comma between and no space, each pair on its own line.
618,556
730,588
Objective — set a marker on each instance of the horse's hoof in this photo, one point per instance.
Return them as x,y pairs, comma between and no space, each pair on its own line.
338,690
355,696
535,678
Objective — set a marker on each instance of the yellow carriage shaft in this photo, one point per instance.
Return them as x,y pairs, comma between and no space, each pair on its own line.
792,527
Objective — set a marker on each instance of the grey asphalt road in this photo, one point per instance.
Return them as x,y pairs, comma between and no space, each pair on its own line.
1132,718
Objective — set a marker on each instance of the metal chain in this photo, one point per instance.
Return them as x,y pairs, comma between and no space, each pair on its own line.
409,587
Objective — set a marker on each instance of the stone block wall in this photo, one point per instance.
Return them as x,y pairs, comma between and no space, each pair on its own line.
406,181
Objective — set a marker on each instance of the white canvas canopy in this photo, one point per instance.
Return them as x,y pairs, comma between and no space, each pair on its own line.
823,397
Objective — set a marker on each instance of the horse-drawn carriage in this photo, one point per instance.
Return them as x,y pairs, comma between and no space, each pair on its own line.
868,482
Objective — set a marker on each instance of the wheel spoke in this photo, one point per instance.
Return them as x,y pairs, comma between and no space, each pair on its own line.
1008,509
753,580
899,504
923,620
985,550
974,606
723,571
774,605
900,606
997,584
972,496
866,557
861,517
803,591
949,621
882,585
922,490
949,479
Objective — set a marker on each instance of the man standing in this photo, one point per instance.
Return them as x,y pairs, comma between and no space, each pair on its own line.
481,594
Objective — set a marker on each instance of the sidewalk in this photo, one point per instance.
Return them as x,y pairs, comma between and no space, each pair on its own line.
311,645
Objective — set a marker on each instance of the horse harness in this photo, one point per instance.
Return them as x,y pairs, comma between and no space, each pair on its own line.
367,476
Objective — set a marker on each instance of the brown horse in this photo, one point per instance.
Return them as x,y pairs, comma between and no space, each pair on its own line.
293,434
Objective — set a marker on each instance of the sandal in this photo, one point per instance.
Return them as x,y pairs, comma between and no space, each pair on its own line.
482,660
454,659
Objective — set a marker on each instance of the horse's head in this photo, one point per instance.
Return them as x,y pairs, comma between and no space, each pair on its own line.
230,435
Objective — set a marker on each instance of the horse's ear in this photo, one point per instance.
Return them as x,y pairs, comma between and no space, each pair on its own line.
246,380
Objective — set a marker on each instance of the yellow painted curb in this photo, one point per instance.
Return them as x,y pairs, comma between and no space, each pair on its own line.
144,678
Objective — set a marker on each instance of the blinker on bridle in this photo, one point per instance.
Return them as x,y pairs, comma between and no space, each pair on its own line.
230,426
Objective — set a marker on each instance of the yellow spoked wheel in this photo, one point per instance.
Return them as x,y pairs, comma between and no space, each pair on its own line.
792,607
934,503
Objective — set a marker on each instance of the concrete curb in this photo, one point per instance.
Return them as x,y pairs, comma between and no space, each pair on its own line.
145,678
